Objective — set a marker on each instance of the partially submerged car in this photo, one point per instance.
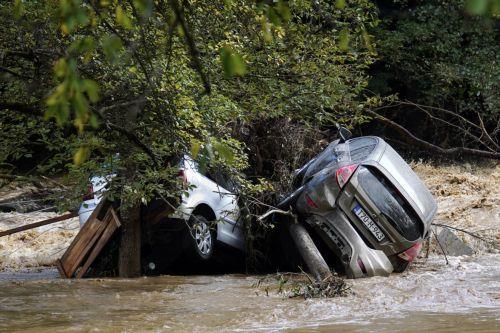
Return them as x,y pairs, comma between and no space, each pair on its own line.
366,203
208,209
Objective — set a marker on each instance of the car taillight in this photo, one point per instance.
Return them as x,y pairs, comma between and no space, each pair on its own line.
411,253
89,194
310,202
343,174
182,175
361,265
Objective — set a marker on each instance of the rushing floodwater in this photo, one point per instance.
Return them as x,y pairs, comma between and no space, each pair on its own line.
463,296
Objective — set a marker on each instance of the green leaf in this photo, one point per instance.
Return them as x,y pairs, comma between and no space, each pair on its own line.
195,148
122,18
93,121
61,68
232,63
144,7
477,7
344,40
81,155
111,46
225,152
283,10
18,9
92,89
340,4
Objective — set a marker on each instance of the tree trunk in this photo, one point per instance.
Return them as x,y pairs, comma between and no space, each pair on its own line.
129,254
309,252
129,251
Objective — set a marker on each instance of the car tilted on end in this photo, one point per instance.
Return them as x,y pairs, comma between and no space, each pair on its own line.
366,203
208,208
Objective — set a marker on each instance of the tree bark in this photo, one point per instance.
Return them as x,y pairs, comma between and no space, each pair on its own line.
129,253
309,252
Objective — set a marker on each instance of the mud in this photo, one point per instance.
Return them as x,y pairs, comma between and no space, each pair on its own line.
468,198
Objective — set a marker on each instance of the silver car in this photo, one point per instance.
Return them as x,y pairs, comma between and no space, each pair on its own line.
366,203
208,209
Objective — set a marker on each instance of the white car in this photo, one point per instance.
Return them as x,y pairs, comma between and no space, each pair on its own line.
209,208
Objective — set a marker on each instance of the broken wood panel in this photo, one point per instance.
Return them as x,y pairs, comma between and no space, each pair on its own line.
112,223
81,245
85,228
81,252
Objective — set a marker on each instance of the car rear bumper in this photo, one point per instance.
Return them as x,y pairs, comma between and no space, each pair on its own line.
86,209
358,259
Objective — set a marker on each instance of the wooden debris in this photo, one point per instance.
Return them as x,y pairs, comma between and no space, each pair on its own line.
37,224
89,242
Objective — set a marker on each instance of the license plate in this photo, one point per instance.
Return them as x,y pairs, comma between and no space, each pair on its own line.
368,222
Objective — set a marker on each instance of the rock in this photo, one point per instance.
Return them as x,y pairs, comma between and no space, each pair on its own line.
452,245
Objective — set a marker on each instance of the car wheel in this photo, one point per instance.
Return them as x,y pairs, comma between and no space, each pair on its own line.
202,237
399,265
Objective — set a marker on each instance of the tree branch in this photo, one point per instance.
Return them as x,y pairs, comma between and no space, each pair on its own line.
195,54
409,137
28,109
11,72
125,132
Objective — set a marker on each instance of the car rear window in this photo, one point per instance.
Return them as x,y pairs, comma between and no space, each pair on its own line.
392,205
360,148
336,154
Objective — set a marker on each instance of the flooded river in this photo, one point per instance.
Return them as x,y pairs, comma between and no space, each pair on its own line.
432,296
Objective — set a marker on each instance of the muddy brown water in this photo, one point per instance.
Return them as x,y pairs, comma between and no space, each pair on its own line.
432,296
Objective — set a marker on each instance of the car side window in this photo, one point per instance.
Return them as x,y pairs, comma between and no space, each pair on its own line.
223,179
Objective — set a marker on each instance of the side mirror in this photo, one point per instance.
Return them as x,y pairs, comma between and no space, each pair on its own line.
344,133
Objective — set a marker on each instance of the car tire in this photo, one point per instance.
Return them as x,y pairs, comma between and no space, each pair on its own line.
201,238
399,265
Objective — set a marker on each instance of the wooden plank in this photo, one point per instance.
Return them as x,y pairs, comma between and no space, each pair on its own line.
80,252
37,224
61,269
83,231
83,241
70,258
112,225
116,219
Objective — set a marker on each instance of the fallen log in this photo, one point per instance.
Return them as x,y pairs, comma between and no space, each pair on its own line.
37,224
308,251
310,254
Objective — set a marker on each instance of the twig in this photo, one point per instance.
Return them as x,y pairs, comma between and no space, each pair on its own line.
307,275
462,230
441,247
275,211
429,146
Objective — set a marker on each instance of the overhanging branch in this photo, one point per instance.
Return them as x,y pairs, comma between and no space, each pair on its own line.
410,138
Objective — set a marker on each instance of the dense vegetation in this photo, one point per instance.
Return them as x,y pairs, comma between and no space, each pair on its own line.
255,87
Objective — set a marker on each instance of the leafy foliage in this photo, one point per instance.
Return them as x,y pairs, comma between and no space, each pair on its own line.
437,54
